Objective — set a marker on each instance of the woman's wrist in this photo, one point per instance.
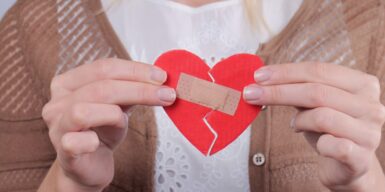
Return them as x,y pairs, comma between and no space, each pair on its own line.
373,180
65,184
57,181
377,179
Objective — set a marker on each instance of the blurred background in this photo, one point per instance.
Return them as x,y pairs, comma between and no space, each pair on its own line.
5,5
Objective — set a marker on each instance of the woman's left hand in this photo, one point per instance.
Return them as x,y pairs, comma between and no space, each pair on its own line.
342,106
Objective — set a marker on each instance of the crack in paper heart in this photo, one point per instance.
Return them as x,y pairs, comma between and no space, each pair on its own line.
208,124
212,130
208,94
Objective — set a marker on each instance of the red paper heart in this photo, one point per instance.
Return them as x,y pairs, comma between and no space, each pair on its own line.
235,72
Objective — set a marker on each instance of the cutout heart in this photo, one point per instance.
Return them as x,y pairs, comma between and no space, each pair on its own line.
209,130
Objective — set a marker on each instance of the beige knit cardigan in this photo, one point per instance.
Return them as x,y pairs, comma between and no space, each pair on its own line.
43,38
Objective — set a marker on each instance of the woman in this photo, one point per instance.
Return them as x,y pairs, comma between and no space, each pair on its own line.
329,144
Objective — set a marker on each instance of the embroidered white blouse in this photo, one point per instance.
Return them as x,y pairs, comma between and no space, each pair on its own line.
147,28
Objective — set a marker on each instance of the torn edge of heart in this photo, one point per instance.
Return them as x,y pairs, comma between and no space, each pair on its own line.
208,124
212,131
208,94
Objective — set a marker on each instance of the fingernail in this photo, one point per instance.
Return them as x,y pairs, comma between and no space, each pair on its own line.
158,75
292,123
252,93
166,94
126,118
262,74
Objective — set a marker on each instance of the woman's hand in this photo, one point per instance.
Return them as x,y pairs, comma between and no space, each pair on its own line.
86,117
342,107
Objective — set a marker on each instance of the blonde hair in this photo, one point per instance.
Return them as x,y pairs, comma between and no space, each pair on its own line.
254,11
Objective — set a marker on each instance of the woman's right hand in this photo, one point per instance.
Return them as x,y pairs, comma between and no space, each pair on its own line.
87,120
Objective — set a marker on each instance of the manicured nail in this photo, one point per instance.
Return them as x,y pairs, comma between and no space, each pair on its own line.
126,118
262,74
292,122
252,93
166,94
158,75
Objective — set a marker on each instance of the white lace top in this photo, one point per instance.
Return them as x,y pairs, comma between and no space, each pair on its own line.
147,28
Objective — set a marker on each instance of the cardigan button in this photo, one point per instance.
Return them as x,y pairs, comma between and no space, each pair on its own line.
259,159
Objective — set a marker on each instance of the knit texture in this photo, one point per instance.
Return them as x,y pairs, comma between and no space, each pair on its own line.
341,32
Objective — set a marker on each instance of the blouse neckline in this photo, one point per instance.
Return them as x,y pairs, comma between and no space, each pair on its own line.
196,10
109,33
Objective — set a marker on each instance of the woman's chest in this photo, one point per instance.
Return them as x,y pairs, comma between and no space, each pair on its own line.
213,32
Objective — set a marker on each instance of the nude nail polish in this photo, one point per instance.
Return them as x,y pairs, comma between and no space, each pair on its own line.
262,75
166,94
158,75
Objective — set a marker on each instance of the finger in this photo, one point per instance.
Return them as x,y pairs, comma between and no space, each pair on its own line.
307,95
77,143
83,116
112,68
341,77
125,93
354,157
329,121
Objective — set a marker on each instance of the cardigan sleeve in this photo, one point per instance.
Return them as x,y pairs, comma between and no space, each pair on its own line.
377,68
20,98
378,46
25,149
